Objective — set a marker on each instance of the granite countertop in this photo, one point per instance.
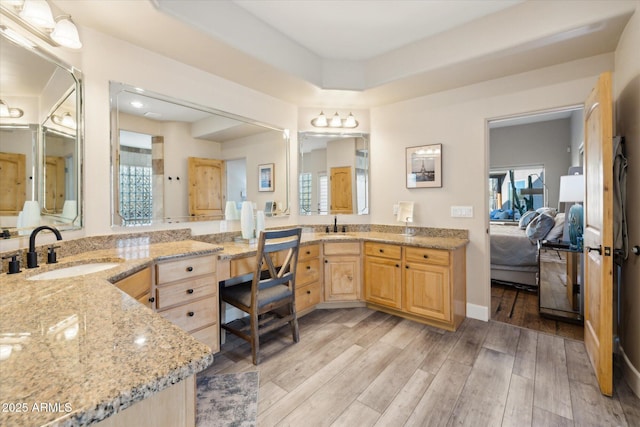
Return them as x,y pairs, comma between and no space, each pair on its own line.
75,351
239,249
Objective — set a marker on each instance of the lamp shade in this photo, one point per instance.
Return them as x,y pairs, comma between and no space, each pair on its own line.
38,13
66,34
571,188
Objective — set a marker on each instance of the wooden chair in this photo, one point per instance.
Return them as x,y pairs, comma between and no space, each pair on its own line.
267,294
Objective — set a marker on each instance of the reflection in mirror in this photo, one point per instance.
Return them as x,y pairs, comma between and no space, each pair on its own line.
175,161
40,149
334,173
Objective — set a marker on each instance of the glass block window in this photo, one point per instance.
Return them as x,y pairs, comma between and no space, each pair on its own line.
305,193
136,202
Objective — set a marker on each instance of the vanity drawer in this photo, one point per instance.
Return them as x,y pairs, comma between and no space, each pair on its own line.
307,271
194,315
344,248
308,296
309,251
185,291
383,250
424,255
184,268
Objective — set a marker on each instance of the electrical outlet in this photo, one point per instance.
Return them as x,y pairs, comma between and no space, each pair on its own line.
462,211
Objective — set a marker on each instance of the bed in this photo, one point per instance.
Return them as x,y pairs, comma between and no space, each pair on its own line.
514,258
514,250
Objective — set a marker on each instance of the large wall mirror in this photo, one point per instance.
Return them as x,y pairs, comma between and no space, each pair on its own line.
334,173
41,140
175,161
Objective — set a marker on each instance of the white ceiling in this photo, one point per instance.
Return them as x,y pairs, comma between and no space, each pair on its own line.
357,54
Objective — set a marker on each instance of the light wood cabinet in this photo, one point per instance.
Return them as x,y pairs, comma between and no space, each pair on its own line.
423,284
342,265
383,274
308,279
187,295
138,286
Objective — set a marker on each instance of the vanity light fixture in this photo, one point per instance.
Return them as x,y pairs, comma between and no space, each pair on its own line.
65,120
336,121
7,112
36,17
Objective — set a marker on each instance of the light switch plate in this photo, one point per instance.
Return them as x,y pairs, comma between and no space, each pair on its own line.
462,211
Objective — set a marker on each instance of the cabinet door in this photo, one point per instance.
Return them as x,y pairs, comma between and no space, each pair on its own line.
138,286
342,278
427,291
382,281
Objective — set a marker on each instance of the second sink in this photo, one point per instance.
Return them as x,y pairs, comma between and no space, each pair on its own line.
74,270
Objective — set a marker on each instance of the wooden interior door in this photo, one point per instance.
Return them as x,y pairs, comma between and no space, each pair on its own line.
12,183
598,232
206,187
54,184
341,193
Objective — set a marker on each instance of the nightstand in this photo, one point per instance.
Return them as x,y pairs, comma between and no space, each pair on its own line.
560,282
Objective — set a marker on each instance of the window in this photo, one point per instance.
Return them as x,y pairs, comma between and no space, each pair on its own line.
323,193
305,193
135,194
514,191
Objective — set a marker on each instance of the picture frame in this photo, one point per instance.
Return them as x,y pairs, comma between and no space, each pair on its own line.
266,177
424,166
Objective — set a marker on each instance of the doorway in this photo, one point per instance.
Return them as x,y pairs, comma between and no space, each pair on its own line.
527,155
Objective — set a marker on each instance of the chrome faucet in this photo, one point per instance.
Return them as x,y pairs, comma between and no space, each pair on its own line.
32,255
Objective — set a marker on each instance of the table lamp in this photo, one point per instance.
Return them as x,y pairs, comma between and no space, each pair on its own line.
572,190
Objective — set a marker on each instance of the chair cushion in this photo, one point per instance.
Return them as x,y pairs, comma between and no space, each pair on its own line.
242,294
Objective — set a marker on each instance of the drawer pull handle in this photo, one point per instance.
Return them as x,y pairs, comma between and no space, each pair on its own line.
326,261
425,256
152,299
381,251
397,265
308,267
308,292
189,291
406,266
191,314
308,252
189,269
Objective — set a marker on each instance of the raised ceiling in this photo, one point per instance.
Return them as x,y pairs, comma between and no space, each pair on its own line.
360,53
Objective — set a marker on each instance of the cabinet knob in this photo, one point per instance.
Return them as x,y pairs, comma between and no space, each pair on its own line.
349,278
308,267
152,299
189,269
425,256
308,292
191,314
397,265
189,291
406,266
381,251
326,261
308,252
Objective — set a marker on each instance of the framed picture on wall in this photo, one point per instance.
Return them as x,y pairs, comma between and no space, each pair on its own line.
266,177
424,166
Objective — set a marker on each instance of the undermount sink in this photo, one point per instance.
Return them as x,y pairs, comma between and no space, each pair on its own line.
74,270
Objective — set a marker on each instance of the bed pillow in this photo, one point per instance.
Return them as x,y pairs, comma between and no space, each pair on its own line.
549,211
558,229
526,218
539,227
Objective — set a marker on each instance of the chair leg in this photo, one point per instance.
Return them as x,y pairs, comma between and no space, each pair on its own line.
255,338
295,330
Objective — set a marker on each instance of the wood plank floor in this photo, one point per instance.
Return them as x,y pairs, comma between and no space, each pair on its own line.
358,367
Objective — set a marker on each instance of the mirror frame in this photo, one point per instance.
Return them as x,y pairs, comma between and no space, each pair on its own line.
116,88
342,135
39,151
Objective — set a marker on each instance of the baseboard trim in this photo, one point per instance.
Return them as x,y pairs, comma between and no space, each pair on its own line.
479,312
630,373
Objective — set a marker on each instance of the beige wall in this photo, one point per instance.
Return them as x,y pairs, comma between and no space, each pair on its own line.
627,123
458,120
